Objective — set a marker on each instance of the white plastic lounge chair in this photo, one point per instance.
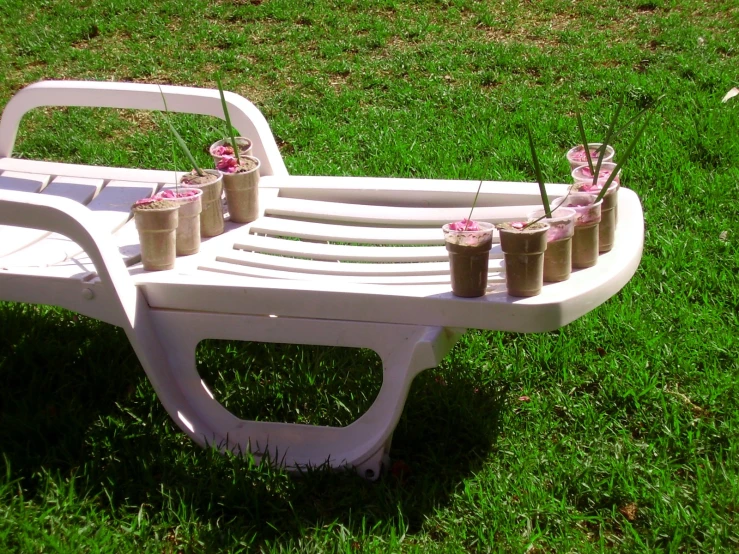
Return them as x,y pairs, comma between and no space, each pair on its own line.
67,240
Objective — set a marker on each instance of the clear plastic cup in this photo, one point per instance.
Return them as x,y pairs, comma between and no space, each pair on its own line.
576,155
587,219
558,255
469,252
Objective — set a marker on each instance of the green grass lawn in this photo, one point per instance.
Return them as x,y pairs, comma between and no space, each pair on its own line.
629,439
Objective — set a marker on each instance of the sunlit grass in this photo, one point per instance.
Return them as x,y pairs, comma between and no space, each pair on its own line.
618,432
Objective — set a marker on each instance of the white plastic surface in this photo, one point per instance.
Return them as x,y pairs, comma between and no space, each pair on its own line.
356,262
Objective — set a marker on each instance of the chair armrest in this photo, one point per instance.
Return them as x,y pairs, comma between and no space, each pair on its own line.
245,116
71,219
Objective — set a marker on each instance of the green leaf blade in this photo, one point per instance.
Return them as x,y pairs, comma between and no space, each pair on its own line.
539,175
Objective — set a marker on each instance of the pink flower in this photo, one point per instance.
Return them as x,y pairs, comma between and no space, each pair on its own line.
603,174
464,225
223,150
227,164
144,201
518,225
580,156
169,194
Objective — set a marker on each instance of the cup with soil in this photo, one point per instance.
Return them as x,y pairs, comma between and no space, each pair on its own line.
584,182
468,243
587,219
156,221
223,148
558,255
582,175
523,246
241,183
211,183
190,205
576,156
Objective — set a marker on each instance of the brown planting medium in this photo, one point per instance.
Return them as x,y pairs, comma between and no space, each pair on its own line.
469,268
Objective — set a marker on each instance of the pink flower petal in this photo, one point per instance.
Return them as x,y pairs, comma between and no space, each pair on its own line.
227,164
223,150
464,225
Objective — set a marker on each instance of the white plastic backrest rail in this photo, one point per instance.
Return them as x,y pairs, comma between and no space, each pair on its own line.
245,116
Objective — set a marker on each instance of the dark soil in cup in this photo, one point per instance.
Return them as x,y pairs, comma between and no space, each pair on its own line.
606,230
469,268
198,180
558,260
246,165
525,240
524,273
585,246
524,257
156,205
609,201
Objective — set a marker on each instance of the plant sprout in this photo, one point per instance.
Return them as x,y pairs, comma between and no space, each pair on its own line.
539,176
229,127
623,158
469,217
610,134
178,138
584,140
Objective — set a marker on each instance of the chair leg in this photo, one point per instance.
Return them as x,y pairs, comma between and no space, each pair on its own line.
405,350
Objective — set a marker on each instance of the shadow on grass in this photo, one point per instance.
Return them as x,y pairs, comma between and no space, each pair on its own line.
76,402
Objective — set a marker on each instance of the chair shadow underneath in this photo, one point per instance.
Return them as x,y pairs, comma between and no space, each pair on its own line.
75,401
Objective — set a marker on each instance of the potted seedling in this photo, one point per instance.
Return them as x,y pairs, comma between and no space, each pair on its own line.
210,182
206,211
468,243
240,174
587,220
524,243
580,154
599,153
602,180
189,202
233,146
156,221
561,221
224,147
586,182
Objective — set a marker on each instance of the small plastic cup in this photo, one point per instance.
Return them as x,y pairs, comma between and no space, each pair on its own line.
469,252
523,248
582,175
576,155
583,178
587,219
558,255
245,148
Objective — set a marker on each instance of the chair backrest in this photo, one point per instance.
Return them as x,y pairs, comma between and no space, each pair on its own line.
245,116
